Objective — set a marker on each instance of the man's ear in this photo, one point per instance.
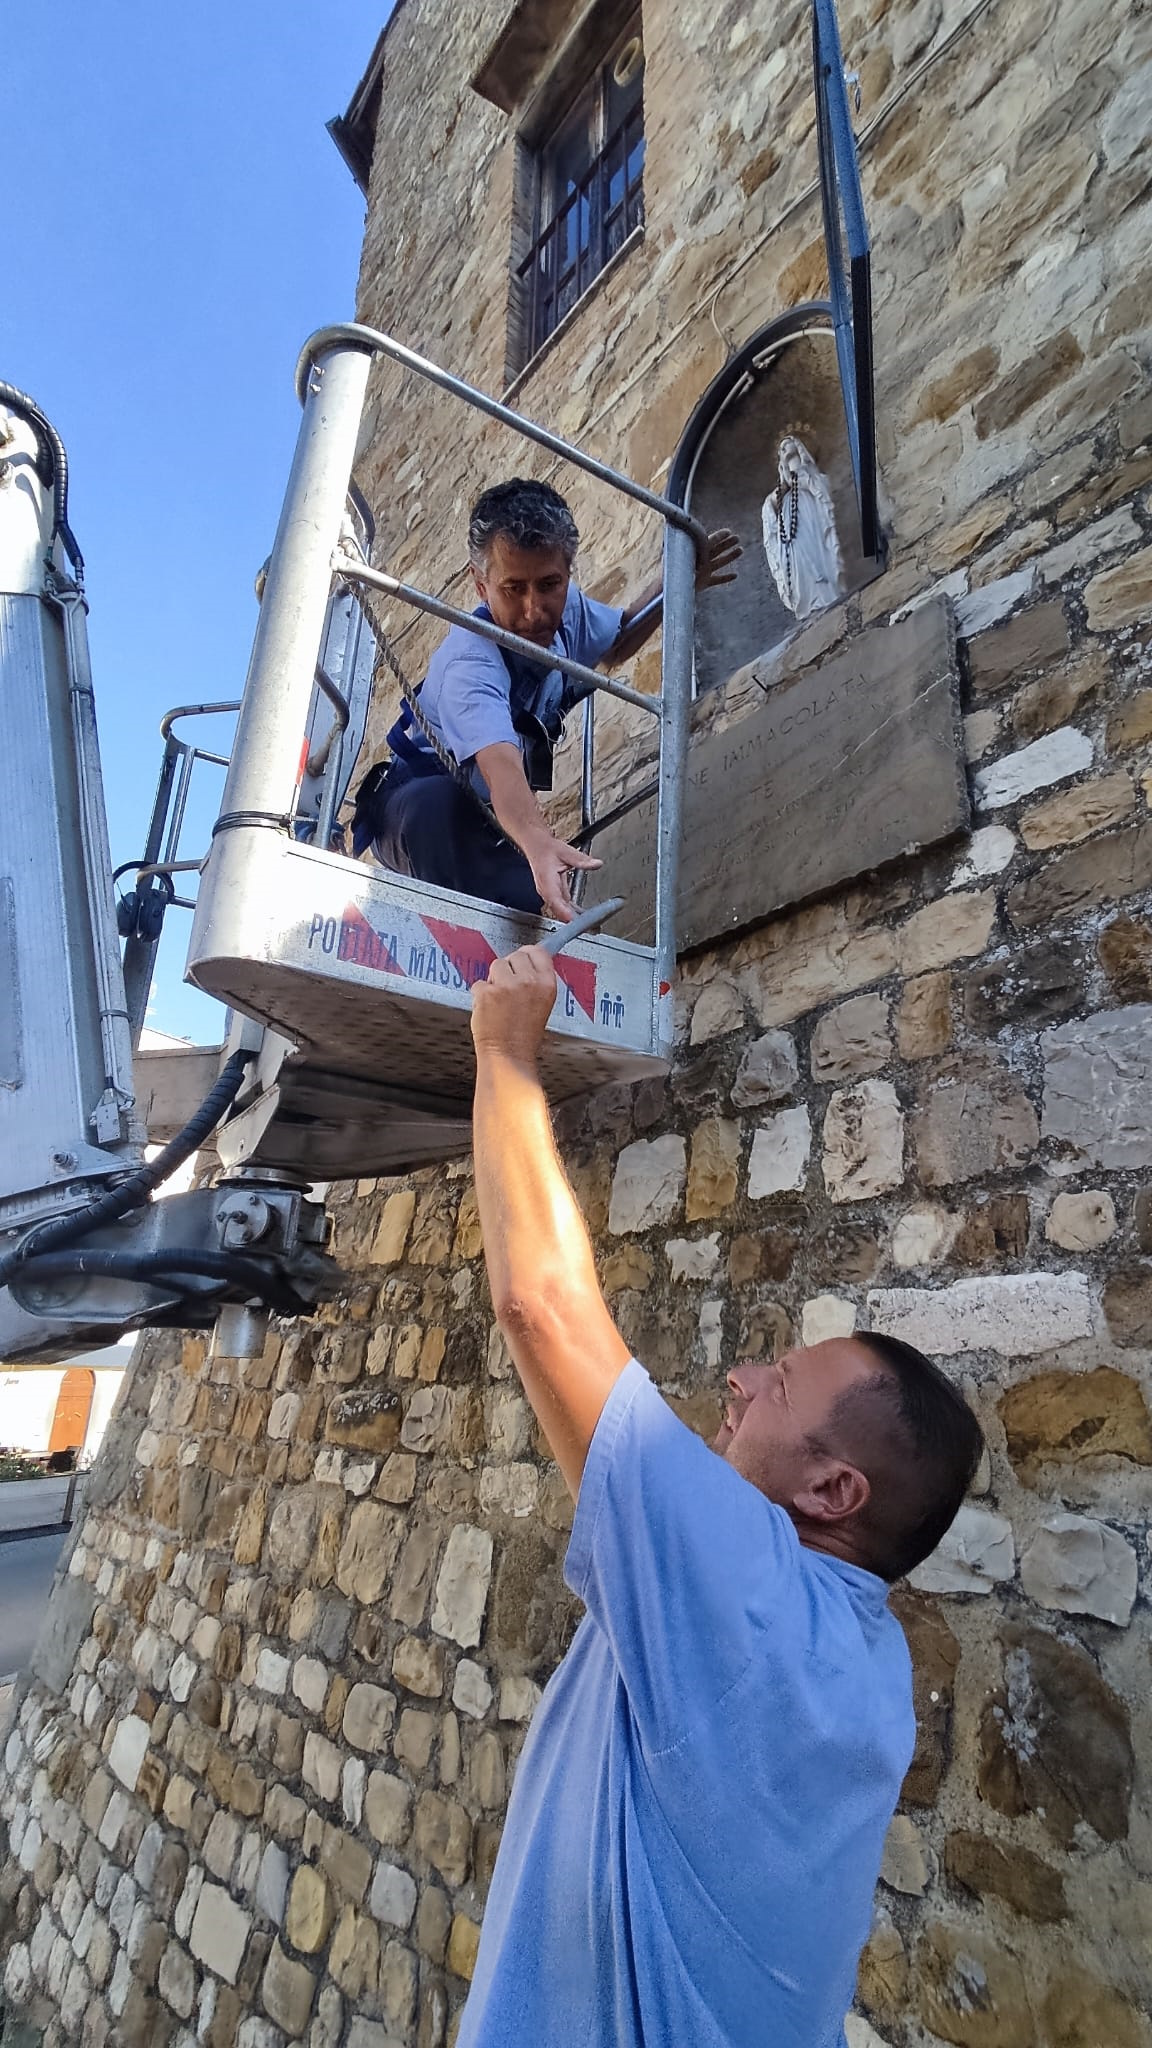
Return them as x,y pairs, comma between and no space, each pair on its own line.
834,1492
479,581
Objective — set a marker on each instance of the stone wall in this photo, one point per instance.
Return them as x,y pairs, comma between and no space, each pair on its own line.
253,1787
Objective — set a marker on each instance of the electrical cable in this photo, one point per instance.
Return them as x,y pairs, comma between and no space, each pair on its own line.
167,1269
52,467
133,1192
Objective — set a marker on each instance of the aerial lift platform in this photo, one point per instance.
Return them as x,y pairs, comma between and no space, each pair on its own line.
367,973
347,1050
346,1044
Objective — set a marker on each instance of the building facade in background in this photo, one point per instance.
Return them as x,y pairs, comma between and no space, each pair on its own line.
255,1783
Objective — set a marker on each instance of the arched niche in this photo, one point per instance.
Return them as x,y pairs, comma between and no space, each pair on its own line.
785,382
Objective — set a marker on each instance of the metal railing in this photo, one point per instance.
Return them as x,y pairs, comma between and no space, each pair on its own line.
332,380
160,859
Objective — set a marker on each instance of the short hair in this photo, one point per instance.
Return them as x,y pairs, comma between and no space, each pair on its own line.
529,514
913,1435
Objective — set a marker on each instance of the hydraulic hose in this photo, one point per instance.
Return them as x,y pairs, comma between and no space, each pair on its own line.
52,467
171,1268
133,1192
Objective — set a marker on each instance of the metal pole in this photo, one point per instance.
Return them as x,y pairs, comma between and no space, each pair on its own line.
113,1119
676,702
352,333
439,608
588,764
266,751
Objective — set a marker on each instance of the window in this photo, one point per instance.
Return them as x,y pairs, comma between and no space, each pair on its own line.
587,172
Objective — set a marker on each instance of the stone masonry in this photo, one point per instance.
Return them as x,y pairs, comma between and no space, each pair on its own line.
252,1788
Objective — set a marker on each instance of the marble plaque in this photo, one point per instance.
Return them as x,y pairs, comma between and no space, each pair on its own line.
841,769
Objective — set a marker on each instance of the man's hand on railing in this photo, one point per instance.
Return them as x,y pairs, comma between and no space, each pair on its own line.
724,548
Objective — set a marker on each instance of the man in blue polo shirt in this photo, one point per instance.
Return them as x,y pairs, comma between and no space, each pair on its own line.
493,718
699,1811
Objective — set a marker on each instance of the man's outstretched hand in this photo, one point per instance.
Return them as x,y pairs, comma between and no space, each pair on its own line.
553,862
510,1010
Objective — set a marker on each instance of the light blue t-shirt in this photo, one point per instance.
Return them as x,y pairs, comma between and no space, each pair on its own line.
699,1811
466,696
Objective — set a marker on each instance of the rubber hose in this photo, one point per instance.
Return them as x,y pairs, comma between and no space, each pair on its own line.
52,467
169,1268
133,1192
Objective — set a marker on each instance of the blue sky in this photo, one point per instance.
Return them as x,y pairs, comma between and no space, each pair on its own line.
178,221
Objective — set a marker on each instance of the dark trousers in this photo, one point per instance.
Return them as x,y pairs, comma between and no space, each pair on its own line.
428,827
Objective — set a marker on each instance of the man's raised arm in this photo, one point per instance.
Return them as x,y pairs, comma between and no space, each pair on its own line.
545,1293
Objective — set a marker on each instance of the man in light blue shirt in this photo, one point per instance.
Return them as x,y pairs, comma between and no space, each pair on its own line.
699,1811
493,718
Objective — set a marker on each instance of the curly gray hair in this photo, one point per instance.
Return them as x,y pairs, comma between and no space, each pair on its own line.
530,515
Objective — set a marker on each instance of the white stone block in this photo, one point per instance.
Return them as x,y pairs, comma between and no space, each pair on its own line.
368,1717
369,2034
863,1142
508,1423
923,1236
980,730
282,1416
310,1683
359,1474
393,1895
859,2034
718,1009
31,1841
129,1745
205,1636
255,2032
220,1930
471,1691
271,1671
462,1583
908,1864
182,1677
976,610
322,1762
1081,1566
1081,1222
952,586
693,1258
352,1782
519,1699
1098,1087
648,1184
187,1902
509,1489
768,1071
1126,124
272,1883
1017,1315
120,1985
1094,543
825,1316
1046,761
18,1979
978,1551
711,1328
780,1151
115,1814
988,853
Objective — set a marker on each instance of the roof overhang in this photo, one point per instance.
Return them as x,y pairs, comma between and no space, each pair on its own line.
354,131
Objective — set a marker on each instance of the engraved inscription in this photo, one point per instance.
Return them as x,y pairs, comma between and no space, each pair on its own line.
842,769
